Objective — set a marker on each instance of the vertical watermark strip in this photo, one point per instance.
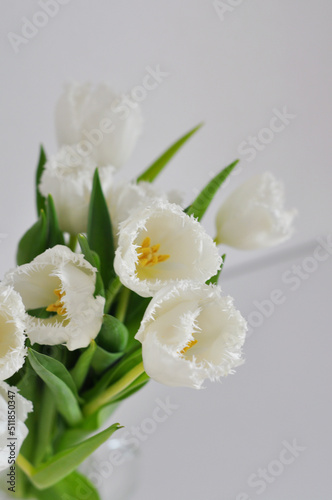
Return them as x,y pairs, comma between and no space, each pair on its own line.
11,440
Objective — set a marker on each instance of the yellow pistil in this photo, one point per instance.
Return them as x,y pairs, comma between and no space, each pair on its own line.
58,305
147,254
190,344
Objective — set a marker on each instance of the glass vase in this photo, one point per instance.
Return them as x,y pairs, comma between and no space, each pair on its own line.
112,469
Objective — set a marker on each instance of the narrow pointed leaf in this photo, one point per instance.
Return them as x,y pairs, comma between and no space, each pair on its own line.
33,242
94,260
203,200
81,369
100,234
72,487
40,200
61,384
73,436
65,462
54,235
157,166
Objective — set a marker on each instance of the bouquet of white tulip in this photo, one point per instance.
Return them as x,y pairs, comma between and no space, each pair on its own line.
115,283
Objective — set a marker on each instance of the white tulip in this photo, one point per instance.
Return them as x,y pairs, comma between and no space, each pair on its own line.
64,283
68,177
12,337
253,216
124,197
159,245
189,333
10,399
94,118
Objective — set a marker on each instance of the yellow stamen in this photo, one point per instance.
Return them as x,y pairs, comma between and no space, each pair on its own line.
144,251
162,258
146,242
190,344
58,305
147,254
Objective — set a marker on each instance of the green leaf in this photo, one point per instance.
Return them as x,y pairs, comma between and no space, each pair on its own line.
112,291
132,388
154,170
111,342
113,335
40,200
214,280
203,200
100,234
54,235
33,242
81,369
90,424
61,384
127,363
136,309
65,462
94,260
103,359
56,367
73,487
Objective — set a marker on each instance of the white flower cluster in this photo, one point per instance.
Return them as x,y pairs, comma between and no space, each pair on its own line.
190,331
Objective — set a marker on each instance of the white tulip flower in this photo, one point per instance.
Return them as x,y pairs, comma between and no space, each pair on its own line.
12,337
253,216
94,118
68,177
189,333
64,283
160,244
124,197
12,430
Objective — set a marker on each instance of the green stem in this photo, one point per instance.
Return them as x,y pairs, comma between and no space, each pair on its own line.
72,242
123,304
47,414
114,390
111,293
25,465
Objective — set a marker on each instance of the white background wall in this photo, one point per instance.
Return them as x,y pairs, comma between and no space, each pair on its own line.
231,73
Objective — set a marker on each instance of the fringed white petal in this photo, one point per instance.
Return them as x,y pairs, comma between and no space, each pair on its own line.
124,197
192,253
189,333
12,327
60,269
